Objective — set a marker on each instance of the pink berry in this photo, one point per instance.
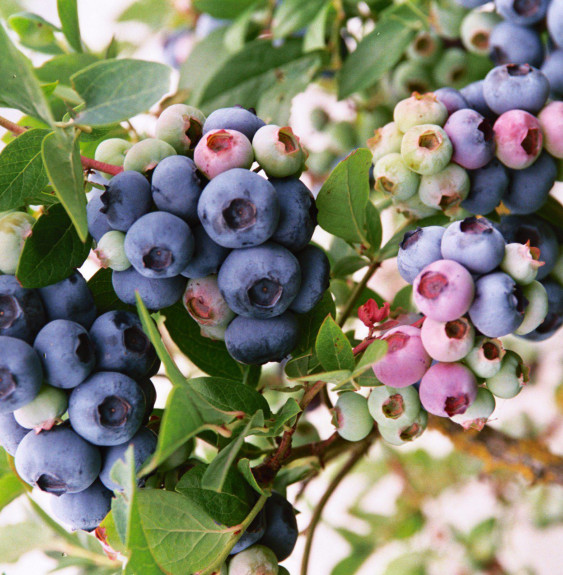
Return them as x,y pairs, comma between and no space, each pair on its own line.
519,139
443,290
551,122
406,360
222,150
448,389
447,341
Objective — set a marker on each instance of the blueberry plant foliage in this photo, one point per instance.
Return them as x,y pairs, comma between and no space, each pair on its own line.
194,510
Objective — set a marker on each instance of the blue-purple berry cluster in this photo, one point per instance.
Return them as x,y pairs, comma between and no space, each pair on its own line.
232,244
75,392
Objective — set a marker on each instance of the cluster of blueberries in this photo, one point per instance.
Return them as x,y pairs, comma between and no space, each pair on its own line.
459,151
234,245
474,282
75,392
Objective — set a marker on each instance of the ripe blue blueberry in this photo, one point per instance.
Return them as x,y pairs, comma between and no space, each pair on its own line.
144,445
419,248
235,118
70,299
315,278
176,187
499,305
98,223
514,44
22,313
553,71
58,461
149,392
252,535
261,281
11,433
474,243
258,341
180,126
156,293
207,257
107,408
20,374
451,98
127,197
159,245
555,21
66,353
298,213
281,526
239,208
84,510
487,187
473,94
121,345
524,12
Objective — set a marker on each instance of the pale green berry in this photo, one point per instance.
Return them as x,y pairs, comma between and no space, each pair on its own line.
511,377
521,262
15,228
392,176
425,48
391,406
255,560
446,189
351,416
537,307
42,412
426,149
278,151
204,302
110,251
386,140
414,208
180,126
404,434
476,29
112,151
144,156
215,332
479,412
419,109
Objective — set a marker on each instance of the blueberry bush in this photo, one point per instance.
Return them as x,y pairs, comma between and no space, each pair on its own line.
178,296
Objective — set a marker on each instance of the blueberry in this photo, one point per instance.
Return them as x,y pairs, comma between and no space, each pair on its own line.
555,21
406,360
414,208
529,188
509,380
261,281
176,187
258,341
451,98
553,71
84,510
15,228
66,353
425,48
58,461
207,257
112,151
20,374
298,213
419,109
126,199
419,248
144,156
386,140
476,29
487,187
523,12
156,293
394,406
408,77
479,412
426,149
448,389
473,94
204,302
11,433
402,434
470,4
519,139
222,150
394,177
235,118
252,535
107,408
180,126
70,299
121,345
239,208
485,358
475,243
537,308
110,251
98,223
472,139
447,341
446,189
499,305
22,313
281,526
159,245
521,262
443,290
513,44
452,69
515,86
351,416
278,151
554,317
446,16
44,410
144,445
149,392
253,560
551,122
315,278
538,232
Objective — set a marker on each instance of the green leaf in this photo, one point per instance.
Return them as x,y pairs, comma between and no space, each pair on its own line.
377,52
333,348
61,68
315,37
105,297
223,507
236,35
310,322
52,252
153,13
211,356
344,196
292,15
245,470
348,265
19,538
19,88
374,352
116,90
403,300
224,9
35,32
61,157
373,227
285,416
22,175
11,487
68,14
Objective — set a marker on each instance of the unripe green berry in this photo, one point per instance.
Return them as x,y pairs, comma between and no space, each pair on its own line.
144,155
479,412
425,48
110,251
351,416
485,359
386,140
476,29
511,377
391,406
446,17
404,434
15,228
446,189
426,149
419,109
112,151
414,208
409,77
536,310
180,126
255,560
392,176
521,262
41,413
278,151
